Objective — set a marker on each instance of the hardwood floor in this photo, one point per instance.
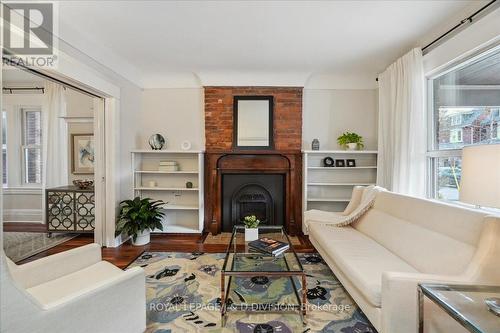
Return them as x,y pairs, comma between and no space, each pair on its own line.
24,227
126,253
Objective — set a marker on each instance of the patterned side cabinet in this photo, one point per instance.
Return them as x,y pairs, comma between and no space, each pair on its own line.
70,209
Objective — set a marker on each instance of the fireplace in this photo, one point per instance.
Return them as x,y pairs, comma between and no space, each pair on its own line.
261,195
226,161
264,183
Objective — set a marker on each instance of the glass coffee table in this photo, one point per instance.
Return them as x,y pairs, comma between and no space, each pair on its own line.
464,303
255,281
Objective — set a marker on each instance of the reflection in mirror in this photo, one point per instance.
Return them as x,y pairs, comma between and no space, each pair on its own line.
253,122
38,119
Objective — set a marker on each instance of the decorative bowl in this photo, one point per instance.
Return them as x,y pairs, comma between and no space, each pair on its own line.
83,184
156,141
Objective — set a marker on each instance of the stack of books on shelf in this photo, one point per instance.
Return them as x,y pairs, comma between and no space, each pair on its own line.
268,246
168,166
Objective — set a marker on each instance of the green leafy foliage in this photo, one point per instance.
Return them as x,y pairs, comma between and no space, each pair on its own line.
350,137
251,221
138,215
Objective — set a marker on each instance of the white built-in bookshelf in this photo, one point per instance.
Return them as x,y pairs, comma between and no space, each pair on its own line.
330,188
184,210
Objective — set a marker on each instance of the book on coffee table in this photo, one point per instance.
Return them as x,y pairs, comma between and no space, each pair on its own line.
269,245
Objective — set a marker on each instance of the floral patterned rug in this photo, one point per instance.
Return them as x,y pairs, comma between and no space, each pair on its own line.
183,295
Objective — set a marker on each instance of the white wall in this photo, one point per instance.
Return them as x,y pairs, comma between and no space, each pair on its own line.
177,114
130,135
327,113
78,105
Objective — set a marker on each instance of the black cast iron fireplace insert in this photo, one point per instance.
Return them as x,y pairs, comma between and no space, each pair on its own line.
262,195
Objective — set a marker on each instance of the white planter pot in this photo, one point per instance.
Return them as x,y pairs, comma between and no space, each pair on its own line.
143,238
352,146
251,234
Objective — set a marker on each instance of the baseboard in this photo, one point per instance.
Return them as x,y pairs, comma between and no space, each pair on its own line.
23,215
120,239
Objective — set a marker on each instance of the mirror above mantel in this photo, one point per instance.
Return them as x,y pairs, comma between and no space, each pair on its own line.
253,122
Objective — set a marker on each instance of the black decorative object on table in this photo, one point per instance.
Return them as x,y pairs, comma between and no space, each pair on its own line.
156,141
340,163
328,162
351,163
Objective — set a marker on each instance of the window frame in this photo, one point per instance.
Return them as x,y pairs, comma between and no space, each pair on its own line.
24,147
433,152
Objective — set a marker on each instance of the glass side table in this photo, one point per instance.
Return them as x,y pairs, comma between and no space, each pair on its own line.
464,303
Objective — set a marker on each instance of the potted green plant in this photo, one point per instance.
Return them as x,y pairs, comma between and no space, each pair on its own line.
138,217
351,140
251,231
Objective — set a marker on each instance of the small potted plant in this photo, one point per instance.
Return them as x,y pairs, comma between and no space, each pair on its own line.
138,217
251,231
351,141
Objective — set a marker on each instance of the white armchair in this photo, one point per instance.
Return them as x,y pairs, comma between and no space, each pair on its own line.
73,291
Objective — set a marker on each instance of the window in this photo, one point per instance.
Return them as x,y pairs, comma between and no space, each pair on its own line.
455,135
4,147
456,119
464,109
32,146
21,146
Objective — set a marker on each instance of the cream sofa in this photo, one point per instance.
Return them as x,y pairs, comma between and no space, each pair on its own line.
73,291
402,241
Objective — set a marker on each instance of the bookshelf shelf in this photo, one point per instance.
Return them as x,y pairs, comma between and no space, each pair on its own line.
184,209
165,189
166,172
330,188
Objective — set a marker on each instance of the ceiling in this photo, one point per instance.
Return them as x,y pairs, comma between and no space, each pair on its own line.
164,43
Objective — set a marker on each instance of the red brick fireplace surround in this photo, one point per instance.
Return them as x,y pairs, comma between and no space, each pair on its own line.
285,159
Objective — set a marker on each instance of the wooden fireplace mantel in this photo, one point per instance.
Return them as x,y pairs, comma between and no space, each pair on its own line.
287,163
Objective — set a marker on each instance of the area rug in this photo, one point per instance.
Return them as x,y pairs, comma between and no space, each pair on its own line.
21,245
225,237
183,295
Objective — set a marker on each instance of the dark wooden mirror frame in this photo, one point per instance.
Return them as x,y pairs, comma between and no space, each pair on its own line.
235,122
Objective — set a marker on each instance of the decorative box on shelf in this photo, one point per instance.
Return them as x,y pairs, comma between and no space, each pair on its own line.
176,177
70,209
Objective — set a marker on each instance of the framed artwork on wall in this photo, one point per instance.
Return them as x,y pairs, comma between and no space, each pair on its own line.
82,154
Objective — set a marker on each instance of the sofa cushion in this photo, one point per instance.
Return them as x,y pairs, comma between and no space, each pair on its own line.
427,250
462,224
359,257
74,283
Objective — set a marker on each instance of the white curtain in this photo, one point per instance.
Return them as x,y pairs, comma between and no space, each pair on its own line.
55,137
402,129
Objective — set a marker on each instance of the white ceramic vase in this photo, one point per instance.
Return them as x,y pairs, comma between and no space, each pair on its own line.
143,238
251,234
352,146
